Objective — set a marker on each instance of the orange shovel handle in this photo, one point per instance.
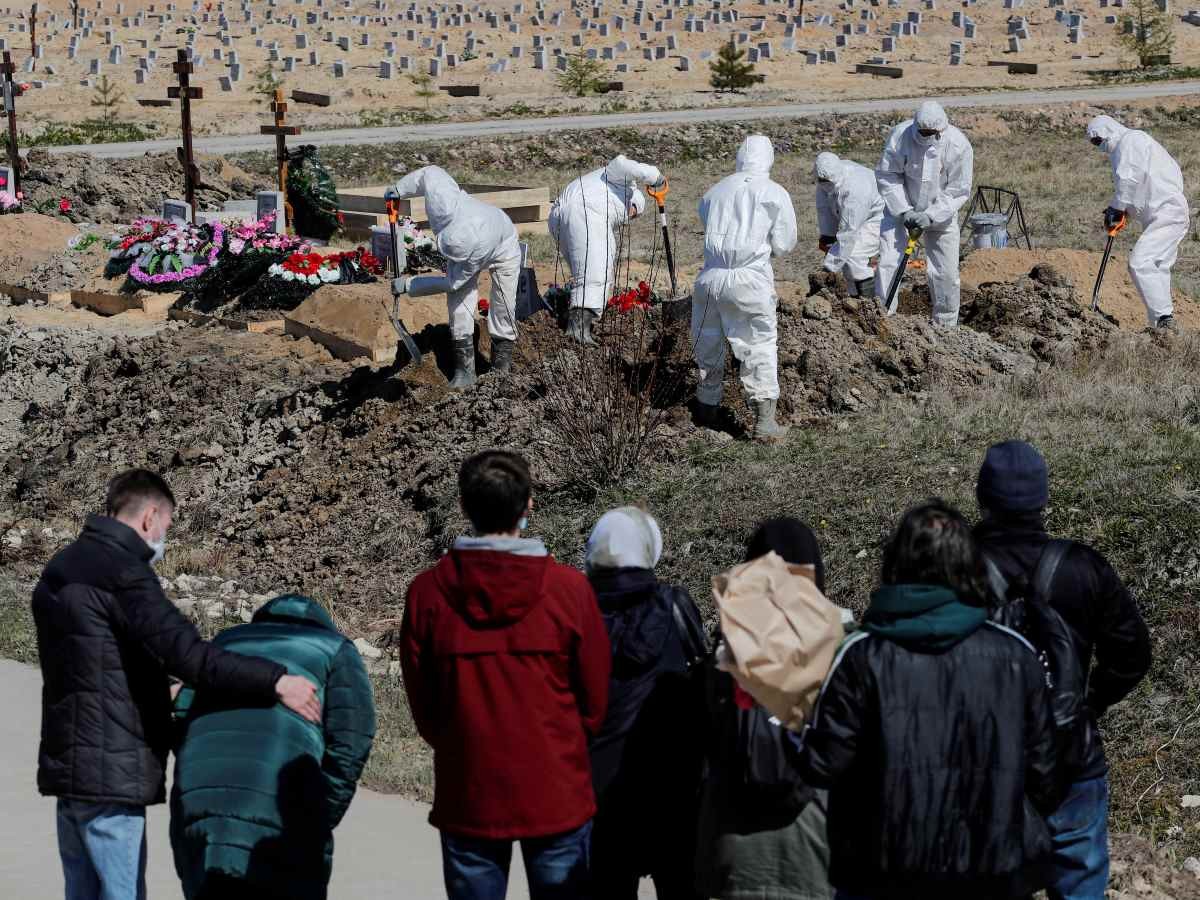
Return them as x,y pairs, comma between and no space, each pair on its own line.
659,194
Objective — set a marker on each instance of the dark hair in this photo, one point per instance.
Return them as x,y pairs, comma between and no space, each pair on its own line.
135,486
933,544
792,540
494,486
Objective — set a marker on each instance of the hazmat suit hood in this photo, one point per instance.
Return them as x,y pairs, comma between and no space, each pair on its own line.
930,115
1109,130
828,167
441,192
756,155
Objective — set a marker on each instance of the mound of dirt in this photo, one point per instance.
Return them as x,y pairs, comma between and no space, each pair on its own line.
1139,872
106,191
28,240
1118,297
350,319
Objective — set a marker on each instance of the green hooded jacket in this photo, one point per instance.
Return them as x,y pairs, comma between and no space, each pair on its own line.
258,791
922,617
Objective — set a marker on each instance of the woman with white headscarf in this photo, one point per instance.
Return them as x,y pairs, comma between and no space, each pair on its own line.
646,758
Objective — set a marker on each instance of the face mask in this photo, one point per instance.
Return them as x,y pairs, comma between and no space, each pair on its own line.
160,550
523,524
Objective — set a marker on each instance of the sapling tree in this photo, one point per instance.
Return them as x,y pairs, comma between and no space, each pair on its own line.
730,72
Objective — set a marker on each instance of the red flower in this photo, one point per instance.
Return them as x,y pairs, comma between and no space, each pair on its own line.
303,263
341,217
484,304
3,181
64,205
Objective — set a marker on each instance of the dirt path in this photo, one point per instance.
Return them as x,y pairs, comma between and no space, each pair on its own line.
385,847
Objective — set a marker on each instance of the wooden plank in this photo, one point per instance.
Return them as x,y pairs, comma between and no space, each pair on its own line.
370,199
110,304
1022,69
460,90
340,347
32,296
881,71
312,99
153,102
261,327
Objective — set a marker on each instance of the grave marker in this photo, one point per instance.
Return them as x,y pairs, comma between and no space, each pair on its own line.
185,94
16,164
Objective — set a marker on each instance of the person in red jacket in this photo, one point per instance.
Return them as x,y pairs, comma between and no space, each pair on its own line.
506,664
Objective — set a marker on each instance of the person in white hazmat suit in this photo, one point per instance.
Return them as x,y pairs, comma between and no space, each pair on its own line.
473,236
747,219
925,177
584,222
1149,188
849,215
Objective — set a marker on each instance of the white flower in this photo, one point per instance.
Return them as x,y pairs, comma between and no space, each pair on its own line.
329,275
288,276
314,279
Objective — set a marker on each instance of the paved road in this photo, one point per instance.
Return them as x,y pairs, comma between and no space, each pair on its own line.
477,130
385,847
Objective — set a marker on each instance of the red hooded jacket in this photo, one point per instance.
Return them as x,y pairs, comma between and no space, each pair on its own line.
506,664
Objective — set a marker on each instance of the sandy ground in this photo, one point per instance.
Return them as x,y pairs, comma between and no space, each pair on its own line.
385,847
361,97
1118,297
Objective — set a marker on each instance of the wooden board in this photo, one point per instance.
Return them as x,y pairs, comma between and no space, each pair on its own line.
340,347
311,98
882,71
107,304
266,325
370,199
32,296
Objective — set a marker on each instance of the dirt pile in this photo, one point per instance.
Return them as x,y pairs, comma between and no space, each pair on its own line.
1078,269
106,191
29,240
1139,872
350,319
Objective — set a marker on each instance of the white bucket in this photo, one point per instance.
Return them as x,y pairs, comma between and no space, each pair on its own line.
988,230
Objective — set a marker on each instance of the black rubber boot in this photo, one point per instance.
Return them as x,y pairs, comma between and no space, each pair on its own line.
866,287
464,364
706,415
1167,323
502,352
765,426
579,326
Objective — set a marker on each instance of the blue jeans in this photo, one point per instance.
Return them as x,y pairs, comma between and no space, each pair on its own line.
103,850
557,867
1079,832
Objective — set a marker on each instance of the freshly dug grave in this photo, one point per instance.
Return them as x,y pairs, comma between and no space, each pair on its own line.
28,240
350,319
1118,297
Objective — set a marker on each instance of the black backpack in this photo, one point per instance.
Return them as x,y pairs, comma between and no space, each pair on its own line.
1025,608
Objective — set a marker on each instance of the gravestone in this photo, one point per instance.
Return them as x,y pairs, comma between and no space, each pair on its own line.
176,211
267,202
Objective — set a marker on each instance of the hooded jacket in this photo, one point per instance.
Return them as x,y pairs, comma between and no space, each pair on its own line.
1104,620
932,175
849,209
506,666
934,738
1147,181
471,234
108,638
258,791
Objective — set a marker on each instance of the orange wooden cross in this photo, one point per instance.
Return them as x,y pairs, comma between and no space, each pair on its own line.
281,130
185,94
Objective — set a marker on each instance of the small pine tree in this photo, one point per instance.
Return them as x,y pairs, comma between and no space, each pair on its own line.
1145,31
266,82
424,85
583,75
729,72
107,97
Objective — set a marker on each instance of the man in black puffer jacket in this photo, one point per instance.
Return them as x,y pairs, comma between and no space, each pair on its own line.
1013,491
645,758
933,734
108,640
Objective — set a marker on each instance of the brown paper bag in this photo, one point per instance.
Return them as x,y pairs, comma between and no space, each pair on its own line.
781,634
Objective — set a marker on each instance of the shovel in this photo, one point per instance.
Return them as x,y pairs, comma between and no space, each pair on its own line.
1112,236
393,211
894,288
660,197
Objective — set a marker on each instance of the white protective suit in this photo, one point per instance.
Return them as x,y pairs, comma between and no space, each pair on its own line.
849,208
931,175
1149,187
473,236
584,222
747,219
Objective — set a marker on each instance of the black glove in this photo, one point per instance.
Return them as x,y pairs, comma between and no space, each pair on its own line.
1113,217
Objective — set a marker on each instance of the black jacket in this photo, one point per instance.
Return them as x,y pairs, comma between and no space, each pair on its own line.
1097,607
646,757
108,638
932,760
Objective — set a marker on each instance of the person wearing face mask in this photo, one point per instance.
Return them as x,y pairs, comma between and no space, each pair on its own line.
506,665
849,214
584,222
1149,188
925,177
108,641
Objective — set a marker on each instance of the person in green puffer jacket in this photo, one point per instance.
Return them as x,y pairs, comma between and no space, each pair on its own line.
258,791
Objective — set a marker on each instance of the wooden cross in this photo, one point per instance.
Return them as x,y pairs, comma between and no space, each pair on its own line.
281,130
185,94
74,15
7,68
33,30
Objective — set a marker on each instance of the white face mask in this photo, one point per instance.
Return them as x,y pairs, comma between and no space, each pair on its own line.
160,550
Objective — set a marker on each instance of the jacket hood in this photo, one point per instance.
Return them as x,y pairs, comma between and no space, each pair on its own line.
1109,130
626,537
922,617
294,608
828,168
491,586
756,155
636,613
109,529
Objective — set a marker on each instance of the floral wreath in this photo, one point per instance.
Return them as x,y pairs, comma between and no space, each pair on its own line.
168,247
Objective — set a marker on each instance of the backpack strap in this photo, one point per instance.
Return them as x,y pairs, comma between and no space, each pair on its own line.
996,581
691,633
1047,567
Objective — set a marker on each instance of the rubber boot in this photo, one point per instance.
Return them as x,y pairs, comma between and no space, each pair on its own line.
1167,323
464,364
765,426
502,352
706,414
579,326
866,287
